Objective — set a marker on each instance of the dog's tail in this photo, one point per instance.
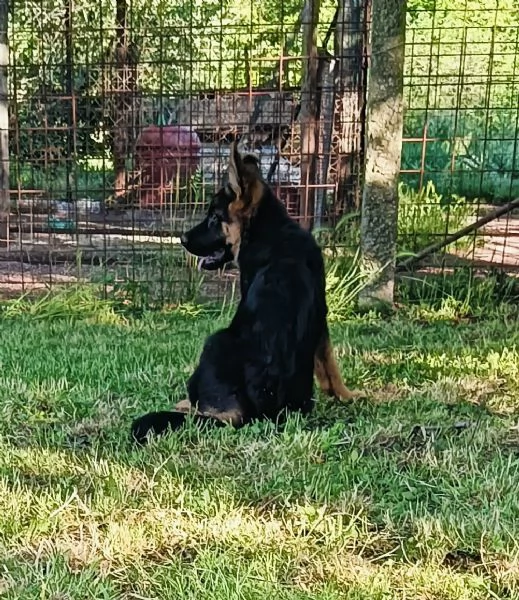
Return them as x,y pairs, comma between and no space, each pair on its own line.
156,423
327,371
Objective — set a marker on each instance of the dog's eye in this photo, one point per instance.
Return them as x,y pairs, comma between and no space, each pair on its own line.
212,221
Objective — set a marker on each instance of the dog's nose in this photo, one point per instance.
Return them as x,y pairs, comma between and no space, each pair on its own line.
183,239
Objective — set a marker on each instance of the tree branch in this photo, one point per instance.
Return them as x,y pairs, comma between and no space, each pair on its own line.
502,210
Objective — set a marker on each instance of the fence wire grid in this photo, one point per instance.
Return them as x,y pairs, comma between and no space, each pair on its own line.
121,113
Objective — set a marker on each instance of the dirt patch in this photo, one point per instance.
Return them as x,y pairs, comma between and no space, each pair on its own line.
462,560
17,278
497,244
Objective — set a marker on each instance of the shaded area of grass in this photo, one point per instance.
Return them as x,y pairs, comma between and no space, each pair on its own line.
411,493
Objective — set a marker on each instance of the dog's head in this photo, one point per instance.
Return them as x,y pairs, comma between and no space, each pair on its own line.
216,240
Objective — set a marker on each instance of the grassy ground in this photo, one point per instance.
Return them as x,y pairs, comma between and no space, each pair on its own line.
412,493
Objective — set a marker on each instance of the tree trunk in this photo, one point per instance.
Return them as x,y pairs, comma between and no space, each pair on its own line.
350,95
69,87
326,99
124,89
309,112
384,126
4,126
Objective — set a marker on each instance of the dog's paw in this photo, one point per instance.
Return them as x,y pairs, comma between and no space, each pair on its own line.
351,395
358,394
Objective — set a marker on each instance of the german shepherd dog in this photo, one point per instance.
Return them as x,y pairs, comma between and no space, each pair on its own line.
262,365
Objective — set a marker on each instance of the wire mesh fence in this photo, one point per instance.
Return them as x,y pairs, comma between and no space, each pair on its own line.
121,113
460,153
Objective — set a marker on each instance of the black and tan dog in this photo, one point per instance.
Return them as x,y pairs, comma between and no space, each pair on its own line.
263,363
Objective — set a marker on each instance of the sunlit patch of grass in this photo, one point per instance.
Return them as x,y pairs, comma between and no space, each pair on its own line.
409,493
71,302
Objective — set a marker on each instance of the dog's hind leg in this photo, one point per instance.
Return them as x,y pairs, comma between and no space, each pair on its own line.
158,423
327,371
155,423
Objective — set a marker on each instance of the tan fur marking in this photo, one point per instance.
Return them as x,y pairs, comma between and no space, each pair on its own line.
328,374
233,172
184,406
232,232
234,417
246,182
256,194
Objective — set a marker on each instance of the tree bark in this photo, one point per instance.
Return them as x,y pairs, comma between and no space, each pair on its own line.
124,91
326,99
350,95
384,124
309,112
4,126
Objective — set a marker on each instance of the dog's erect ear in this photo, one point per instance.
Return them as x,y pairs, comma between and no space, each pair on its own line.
245,180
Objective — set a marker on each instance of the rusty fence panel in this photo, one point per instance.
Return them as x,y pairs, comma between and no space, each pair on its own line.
120,124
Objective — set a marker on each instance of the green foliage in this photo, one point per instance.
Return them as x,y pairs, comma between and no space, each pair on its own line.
217,46
344,282
460,294
157,278
460,78
72,303
460,65
425,216
344,279
92,178
211,40
474,154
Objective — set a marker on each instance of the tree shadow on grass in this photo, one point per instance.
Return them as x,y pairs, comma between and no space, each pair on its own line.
372,485
371,492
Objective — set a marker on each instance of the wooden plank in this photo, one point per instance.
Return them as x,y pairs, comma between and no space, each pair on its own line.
227,111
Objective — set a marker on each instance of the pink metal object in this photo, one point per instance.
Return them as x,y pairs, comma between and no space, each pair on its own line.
166,156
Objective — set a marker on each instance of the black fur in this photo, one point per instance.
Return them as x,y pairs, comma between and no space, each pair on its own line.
262,364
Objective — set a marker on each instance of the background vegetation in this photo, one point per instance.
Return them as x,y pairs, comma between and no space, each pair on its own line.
461,79
461,74
408,494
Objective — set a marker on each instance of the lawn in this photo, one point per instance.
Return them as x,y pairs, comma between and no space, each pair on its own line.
409,494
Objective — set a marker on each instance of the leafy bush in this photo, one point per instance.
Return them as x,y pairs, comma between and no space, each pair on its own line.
426,215
472,155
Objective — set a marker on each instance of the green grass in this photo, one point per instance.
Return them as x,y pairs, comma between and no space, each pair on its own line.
409,494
